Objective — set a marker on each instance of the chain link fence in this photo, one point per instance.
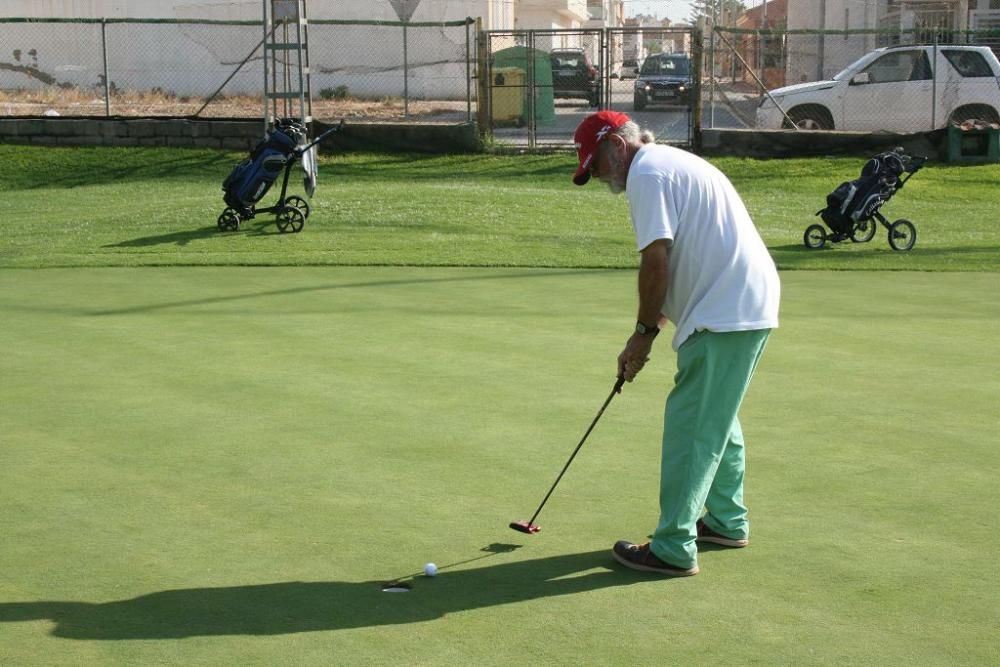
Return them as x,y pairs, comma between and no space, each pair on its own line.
431,72
539,84
360,70
834,80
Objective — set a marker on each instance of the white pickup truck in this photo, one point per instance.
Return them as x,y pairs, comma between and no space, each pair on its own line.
906,88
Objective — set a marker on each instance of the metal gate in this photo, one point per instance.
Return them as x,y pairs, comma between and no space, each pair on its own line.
539,84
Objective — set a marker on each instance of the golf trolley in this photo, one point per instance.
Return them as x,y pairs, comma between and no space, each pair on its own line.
250,180
852,210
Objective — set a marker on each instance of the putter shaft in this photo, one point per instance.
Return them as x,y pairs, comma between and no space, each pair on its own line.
531,522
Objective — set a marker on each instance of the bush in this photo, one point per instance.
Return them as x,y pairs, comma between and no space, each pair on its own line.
338,93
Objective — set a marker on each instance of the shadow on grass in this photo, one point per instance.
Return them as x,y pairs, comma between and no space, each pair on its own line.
311,606
264,226
547,273
174,238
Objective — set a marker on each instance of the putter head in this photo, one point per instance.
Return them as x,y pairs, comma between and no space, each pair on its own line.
525,527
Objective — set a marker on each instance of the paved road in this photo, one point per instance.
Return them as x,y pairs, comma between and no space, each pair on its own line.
671,124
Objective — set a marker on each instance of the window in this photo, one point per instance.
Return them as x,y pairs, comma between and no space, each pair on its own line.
900,66
565,62
665,66
968,63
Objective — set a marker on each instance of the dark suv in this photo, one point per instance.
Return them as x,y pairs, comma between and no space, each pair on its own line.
573,76
665,78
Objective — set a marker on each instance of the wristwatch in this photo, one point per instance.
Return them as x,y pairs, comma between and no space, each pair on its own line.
645,329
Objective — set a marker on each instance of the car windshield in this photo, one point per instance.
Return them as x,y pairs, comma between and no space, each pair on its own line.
666,66
853,67
566,61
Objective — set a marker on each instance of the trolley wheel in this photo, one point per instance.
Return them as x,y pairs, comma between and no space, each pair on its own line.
863,231
299,203
902,235
228,221
815,237
290,219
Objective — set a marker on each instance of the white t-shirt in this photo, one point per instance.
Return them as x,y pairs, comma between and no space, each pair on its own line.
721,277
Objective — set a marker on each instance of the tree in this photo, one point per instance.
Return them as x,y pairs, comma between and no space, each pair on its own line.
724,11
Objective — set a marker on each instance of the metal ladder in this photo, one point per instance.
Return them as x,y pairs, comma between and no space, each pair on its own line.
287,92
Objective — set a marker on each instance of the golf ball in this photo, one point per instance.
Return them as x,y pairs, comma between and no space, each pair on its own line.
430,569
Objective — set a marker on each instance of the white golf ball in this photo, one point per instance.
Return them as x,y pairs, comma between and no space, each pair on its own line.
430,569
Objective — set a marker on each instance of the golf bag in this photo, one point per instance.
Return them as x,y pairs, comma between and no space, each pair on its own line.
250,180
862,198
853,210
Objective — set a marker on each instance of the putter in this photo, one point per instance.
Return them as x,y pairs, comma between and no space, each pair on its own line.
529,526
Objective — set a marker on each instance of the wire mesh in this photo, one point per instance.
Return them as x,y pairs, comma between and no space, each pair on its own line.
363,70
542,83
51,68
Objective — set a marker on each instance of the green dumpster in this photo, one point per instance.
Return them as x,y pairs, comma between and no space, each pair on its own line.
537,68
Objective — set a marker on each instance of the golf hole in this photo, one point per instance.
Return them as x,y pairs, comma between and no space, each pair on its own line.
396,587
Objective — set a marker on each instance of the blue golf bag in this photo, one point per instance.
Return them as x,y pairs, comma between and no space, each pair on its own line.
250,180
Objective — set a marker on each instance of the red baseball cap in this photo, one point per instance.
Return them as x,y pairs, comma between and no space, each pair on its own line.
591,131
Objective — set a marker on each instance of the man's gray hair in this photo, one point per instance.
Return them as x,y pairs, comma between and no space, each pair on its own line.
632,133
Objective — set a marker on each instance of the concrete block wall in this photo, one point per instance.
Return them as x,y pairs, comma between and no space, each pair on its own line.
226,134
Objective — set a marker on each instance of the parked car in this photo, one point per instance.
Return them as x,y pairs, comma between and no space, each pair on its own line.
630,68
906,88
665,78
573,76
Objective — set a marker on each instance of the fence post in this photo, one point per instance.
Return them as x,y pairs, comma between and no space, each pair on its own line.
711,73
406,77
934,84
483,79
468,76
104,57
531,89
697,48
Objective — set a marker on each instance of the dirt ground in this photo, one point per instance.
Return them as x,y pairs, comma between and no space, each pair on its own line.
72,103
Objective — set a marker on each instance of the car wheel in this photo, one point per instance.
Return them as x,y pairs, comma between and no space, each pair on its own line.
982,112
809,117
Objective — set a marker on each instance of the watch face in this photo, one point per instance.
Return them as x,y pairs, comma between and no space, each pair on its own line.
641,329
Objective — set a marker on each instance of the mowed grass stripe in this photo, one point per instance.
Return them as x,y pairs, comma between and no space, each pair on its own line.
131,207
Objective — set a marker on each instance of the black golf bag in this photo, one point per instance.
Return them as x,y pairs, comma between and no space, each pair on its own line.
861,198
250,180
853,210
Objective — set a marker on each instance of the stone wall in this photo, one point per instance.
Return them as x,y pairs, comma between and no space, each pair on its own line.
782,143
238,135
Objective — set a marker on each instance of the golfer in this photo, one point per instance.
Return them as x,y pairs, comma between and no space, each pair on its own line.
703,267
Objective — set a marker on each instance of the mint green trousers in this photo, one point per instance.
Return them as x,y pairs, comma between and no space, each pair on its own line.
703,462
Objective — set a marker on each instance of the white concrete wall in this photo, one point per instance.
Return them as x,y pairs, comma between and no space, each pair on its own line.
196,60
804,56
501,11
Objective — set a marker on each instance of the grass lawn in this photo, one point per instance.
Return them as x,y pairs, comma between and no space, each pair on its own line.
214,447
129,207
218,466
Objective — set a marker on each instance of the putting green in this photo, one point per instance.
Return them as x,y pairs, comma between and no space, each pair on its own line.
239,457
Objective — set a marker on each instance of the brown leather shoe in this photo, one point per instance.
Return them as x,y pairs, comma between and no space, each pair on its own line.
706,534
640,557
